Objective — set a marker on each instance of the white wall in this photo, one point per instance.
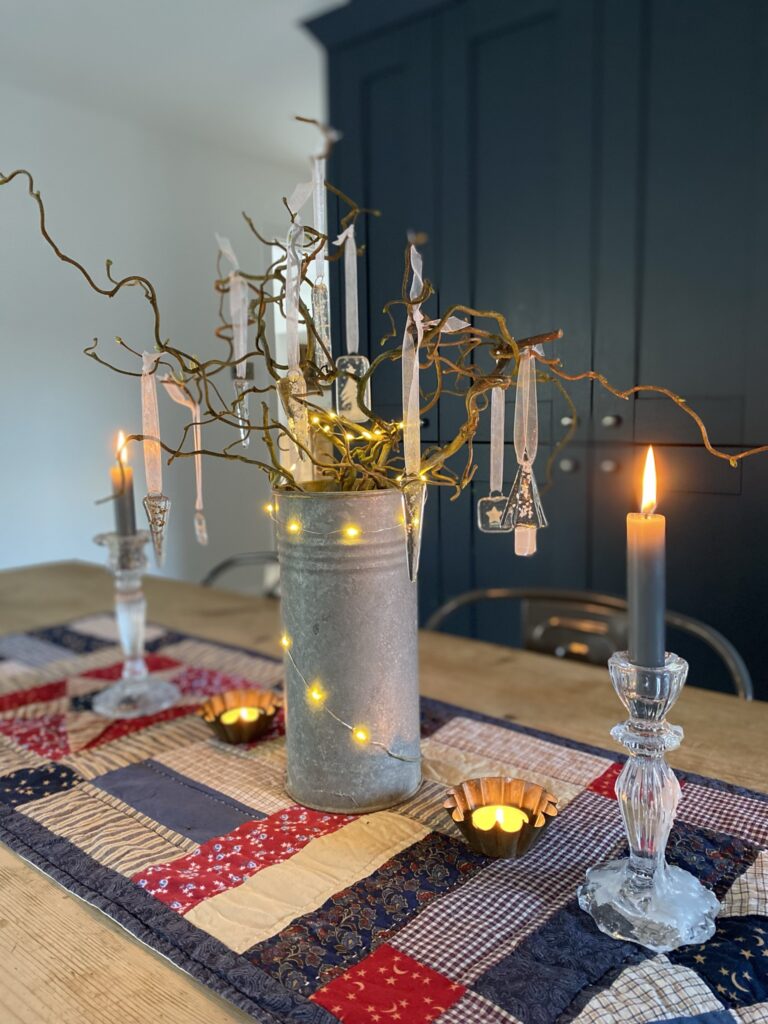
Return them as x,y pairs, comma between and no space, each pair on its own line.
151,202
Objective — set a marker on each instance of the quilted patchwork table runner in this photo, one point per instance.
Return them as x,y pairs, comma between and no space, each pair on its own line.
299,916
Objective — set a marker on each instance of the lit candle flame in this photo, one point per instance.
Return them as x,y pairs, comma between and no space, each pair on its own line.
648,504
121,452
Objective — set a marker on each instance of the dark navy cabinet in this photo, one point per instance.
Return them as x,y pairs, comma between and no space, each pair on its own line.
600,167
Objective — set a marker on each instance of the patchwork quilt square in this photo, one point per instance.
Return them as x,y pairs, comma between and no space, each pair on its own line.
304,917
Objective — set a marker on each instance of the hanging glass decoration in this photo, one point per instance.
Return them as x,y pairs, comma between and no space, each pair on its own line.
491,510
524,508
321,315
414,488
156,505
180,395
292,388
352,366
238,315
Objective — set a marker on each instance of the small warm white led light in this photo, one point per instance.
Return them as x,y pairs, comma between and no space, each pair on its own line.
316,694
293,526
269,508
285,641
315,420
349,436
361,734
352,532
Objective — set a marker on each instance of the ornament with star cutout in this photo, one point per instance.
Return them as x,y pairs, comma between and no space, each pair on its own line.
491,514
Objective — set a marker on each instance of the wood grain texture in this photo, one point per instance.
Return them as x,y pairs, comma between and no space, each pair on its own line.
109,978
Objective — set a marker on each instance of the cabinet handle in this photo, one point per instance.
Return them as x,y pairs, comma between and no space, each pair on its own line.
568,465
611,421
609,466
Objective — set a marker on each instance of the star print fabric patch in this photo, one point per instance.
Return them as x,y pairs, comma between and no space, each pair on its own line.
389,986
734,963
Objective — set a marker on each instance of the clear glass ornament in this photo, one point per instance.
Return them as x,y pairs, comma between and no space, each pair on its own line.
491,514
524,512
157,507
414,500
292,389
351,368
137,693
322,320
641,898
242,410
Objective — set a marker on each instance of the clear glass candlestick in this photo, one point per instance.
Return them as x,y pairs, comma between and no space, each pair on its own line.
137,692
641,898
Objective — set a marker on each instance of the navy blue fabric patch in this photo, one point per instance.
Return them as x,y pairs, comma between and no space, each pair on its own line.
539,980
153,646
63,636
319,946
715,858
734,963
180,803
27,784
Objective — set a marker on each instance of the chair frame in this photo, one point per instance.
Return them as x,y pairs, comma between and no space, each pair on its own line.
723,647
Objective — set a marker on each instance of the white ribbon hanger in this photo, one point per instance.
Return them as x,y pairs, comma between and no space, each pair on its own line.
238,315
180,395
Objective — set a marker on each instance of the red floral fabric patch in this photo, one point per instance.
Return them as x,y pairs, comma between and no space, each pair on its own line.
34,695
46,735
155,663
125,726
227,861
389,986
605,784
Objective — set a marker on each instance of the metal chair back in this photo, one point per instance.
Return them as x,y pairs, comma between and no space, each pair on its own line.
589,627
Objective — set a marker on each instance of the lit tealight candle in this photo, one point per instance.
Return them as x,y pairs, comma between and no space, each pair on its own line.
234,715
510,819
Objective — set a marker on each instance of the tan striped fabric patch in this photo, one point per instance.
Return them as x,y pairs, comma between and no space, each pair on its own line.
271,899
114,834
261,671
450,766
137,746
12,757
253,777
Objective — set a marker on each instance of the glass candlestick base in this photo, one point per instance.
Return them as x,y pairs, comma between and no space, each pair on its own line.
137,693
641,898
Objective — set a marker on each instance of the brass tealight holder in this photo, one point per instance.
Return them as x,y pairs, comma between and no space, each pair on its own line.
501,817
240,716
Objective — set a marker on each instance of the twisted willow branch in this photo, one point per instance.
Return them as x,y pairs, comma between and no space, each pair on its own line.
355,457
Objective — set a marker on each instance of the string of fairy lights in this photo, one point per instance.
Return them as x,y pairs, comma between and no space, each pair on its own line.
316,694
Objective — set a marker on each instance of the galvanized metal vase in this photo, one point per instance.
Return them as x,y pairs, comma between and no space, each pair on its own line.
351,650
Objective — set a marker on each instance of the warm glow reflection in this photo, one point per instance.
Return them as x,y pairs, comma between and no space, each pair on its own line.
511,819
120,449
648,504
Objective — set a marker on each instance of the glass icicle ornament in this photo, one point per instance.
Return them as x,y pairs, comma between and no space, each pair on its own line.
414,500
524,510
156,504
491,510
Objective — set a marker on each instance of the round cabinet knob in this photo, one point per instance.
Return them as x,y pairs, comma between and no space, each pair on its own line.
568,465
611,422
609,466
567,421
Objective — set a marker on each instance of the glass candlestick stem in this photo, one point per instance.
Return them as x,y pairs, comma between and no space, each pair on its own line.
137,692
641,898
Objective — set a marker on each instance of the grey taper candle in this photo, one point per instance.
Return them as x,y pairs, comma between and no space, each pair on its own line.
646,577
122,489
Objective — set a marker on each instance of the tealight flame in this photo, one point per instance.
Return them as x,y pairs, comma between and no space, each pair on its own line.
648,504
120,450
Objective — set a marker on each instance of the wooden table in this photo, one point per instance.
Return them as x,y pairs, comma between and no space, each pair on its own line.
108,977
